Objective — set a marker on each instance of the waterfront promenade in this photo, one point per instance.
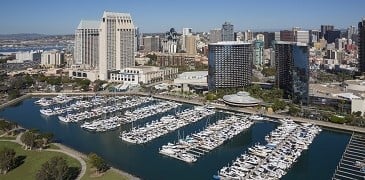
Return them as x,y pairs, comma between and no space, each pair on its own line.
200,103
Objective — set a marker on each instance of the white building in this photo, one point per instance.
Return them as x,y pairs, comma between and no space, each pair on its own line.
86,51
195,78
28,56
144,74
117,35
301,36
52,58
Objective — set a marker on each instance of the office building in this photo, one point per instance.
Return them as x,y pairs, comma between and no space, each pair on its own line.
185,32
325,28
176,60
351,31
301,36
292,70
52,58
227,32
259,53
137,40
286,35
314,36
116,45
215,35
229,64
28,56
169,43
361,45
151,43
190,44
332,35
277,36
86,51
248,35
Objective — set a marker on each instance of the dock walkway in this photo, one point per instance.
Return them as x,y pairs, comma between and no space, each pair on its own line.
352,163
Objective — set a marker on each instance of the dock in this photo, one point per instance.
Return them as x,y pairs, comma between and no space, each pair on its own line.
352,163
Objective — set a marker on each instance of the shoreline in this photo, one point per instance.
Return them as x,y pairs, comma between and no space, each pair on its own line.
326,124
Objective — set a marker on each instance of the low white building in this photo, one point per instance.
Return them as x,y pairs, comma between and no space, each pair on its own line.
28,56
193,78
144,74
91,75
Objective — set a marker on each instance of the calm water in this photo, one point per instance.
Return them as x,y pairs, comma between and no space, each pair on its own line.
144,161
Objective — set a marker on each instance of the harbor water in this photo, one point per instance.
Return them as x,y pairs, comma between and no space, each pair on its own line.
144,161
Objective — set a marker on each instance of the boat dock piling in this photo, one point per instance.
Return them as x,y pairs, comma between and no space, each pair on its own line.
352,163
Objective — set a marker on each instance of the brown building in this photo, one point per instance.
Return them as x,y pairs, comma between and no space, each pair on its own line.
190,44
175,60
287,35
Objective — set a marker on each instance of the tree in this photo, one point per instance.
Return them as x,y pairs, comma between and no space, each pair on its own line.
98,163
7,160
29,139
46,138
56,168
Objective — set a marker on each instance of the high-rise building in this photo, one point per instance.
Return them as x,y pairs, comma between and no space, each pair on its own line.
86,51
227,32
215,35
187,31
137,40
292,70
361,44
229,64
332,35
301,36
116,45
351,31
325,28
151,43
277,36
259,53
314,36
190,44
169,43
248,35
286,35
52,58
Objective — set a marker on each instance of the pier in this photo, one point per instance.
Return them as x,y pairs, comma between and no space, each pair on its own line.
352,163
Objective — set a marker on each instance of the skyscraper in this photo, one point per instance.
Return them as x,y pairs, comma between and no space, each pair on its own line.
227,32
332,35
351,31
229,64
361,44
286,35
151,43
215,35
186,32
325,28
86,51
169,43
190,44
117,36
292,70
301,36
259,53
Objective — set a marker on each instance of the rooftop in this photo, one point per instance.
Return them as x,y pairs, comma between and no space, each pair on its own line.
242,98
89,24
290,42
230,43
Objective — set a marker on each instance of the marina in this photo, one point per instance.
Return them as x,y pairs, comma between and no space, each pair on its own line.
144,161
352,164
271,161
195,145
165,125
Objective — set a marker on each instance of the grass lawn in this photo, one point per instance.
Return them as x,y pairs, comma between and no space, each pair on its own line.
8,137
109,175
32,162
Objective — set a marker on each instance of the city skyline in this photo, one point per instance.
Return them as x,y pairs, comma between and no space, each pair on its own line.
47,17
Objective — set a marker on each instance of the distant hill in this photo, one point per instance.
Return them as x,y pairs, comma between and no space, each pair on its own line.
21,36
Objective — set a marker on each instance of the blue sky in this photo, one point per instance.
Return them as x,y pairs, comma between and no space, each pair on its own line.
62,17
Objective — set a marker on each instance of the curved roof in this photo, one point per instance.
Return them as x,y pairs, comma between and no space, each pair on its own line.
242,98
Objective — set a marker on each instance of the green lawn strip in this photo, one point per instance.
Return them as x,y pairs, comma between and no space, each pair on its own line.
8,137
109,175
32,162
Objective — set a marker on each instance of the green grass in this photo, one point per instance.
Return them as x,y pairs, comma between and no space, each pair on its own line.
32,162
8,137
52,146
109,175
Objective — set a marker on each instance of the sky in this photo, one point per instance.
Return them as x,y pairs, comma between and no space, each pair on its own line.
62,17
